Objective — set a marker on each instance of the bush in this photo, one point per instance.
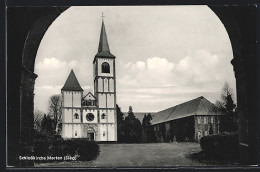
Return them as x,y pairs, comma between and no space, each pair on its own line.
54,146
221,145
88,150
41,147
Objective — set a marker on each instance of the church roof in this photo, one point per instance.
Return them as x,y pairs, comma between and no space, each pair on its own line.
198,106
72,84
103,48
103,43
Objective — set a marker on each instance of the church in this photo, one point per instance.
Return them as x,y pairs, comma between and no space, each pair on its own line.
92,116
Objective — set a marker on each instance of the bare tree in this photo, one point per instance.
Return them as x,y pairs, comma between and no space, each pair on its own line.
38,116
55,110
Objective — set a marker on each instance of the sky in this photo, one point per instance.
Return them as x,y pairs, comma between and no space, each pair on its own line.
165,55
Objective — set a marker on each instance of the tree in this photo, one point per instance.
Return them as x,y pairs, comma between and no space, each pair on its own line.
38,116
47,127
55,103
227,106
131,128
120,120
148,131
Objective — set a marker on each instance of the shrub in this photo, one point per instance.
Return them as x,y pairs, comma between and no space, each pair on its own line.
221,145
54,146
88,150
41,147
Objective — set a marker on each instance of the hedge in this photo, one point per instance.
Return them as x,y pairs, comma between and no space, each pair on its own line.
221,145
85,150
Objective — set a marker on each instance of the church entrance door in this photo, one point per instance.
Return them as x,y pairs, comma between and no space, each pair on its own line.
90,136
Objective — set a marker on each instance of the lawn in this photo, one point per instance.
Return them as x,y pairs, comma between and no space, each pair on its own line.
138,155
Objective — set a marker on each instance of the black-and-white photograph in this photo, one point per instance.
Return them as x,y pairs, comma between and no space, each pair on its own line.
131,86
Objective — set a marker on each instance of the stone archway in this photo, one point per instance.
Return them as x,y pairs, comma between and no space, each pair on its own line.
21,77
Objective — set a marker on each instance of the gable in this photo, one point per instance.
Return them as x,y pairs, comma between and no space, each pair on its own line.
89,96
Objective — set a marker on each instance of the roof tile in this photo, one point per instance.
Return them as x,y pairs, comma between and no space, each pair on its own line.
72,84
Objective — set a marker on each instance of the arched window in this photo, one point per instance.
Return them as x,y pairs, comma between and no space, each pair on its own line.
90,117
212,120
76,134
103,116
105,67
76,116
205,120
199,121
199,135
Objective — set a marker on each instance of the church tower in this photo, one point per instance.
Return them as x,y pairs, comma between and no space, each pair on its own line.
92,116
105,88
71,107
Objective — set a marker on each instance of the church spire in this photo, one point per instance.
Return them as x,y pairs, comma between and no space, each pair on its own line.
72,84
103,43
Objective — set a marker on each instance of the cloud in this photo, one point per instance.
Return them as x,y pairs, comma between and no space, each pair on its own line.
202,67
198,68
54,71
199,73
153,71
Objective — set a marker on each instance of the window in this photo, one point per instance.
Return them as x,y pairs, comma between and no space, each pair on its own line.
199,120
76,133
205,120
103,116
90,117
199,134
104,133
105,68
212,120
89,102
76,116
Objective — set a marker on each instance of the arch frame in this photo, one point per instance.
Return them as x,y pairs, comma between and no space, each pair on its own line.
242,41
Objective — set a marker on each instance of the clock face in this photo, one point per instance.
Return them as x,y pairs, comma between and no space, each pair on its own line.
90,117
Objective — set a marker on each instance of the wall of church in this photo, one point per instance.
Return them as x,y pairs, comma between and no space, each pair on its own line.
111,85
100,85
67,130
110,101
110,62
89,111
89,97
105,85
67,115
102,100
111,132
103,132
76,99
77,131
111,116
67,99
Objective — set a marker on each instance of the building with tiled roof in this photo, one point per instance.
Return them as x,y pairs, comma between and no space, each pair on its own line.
190,120
92,116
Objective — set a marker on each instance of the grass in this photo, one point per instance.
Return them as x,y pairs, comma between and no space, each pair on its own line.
139,155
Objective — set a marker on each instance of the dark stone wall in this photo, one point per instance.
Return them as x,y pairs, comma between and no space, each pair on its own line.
23,38
202,127
18,25
240,23
176,130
